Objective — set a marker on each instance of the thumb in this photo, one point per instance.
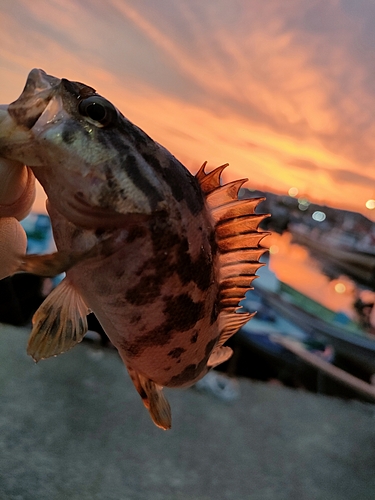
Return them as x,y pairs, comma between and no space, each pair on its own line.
13,243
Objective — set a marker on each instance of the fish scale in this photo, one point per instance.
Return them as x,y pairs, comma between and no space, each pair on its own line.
161,257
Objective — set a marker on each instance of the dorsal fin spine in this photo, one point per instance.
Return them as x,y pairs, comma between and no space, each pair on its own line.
235,208
224,194
210,182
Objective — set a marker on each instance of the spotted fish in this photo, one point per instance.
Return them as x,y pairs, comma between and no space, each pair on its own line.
161,257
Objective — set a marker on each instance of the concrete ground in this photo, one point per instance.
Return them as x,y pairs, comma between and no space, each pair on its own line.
73,428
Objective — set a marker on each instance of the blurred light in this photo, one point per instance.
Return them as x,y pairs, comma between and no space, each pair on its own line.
303,204
319,216
303,207
340,288
303,201
370,204
293,191
274,249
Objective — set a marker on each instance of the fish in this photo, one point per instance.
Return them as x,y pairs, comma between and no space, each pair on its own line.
162,257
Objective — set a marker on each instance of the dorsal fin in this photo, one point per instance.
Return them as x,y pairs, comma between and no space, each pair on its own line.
225,194
210,182
238,239
236,208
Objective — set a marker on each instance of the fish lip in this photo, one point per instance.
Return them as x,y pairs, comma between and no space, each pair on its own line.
53,114
34,99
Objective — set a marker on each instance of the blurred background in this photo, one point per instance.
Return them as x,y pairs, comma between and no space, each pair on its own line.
284,92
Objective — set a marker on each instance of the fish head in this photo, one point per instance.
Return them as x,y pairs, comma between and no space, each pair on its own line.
84,152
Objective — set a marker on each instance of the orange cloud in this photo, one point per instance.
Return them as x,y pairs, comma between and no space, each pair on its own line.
283,92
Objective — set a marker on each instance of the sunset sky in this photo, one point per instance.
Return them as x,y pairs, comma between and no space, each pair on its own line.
283,91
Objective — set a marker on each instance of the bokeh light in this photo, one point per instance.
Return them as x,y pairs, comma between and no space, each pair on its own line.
319,216
340,287
293,191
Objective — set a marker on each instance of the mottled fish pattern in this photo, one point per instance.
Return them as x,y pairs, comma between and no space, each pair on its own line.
162,257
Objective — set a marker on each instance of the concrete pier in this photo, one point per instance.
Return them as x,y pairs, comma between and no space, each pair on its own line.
74,428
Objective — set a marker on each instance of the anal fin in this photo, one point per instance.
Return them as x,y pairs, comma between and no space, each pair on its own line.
59,324
153,399
219,355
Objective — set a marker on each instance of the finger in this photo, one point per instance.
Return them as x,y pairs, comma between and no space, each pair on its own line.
13,243
17,189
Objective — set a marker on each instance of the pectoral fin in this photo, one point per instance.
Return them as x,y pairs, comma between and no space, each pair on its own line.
51,264
56,263
153,399
59,323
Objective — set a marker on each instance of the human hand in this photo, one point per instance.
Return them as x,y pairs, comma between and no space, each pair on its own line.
17,193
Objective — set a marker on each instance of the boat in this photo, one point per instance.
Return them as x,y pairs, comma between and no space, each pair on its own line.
258,353
354,348
343,250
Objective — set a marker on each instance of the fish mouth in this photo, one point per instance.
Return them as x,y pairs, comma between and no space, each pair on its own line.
40,88
38,107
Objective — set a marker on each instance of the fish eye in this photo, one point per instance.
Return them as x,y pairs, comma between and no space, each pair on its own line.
98,109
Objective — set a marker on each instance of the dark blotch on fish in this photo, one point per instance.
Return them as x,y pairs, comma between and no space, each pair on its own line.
189,373
196,203
136,232
71,130
68,135
181,314
159,266
182,184
99,232
177,352
176,180
155,164
214,313
136,318
77,89
145,291
56,323
112,182
200,270
192,371
113,142
163,237
130,165
209,347
194,338
164,242
135,134
212,242
69,332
